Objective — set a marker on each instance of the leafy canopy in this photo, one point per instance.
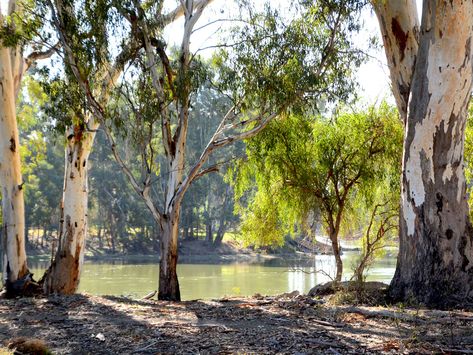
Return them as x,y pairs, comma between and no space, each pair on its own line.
302,164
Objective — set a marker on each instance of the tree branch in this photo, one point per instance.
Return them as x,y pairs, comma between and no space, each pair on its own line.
180,11
34,56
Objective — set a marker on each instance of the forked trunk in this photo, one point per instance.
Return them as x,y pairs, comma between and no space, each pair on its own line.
64,273
435,263
14,256
168,282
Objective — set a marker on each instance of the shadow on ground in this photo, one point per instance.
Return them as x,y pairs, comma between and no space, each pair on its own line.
83,324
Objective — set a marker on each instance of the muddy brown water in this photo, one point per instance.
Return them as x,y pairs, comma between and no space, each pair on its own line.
138,276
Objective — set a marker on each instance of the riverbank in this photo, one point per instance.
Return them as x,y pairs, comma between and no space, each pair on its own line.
190,251
229,249
286,324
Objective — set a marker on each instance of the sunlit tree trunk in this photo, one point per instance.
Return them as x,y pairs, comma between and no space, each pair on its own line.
168,281
435,263
64,273
13,218
399,25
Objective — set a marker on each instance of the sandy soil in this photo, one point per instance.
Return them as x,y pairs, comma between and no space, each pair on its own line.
287,324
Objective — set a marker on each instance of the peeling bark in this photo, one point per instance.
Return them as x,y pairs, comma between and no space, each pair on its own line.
435,263
399,25
63,275
14,254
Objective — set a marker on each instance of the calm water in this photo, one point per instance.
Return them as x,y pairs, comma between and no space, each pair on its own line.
206,281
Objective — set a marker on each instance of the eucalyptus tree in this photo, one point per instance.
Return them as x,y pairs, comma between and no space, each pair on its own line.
319,166
272,68
17,27
430,63
90,53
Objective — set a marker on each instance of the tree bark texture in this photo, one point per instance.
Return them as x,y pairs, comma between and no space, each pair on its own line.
64,273
399,25
169,222
13,218
168,281
435,262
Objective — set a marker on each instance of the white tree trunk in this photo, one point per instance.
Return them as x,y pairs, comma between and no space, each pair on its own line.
399,25
435,263
13,218
168,281
64,273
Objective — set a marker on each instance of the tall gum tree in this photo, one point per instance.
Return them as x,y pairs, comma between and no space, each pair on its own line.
13,218
174,144
63,276
435,262
13,65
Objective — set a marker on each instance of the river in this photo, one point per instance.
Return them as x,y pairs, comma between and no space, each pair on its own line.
136,278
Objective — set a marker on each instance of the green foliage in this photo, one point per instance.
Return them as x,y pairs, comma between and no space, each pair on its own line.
280,64
276,65
22,24
65,104
301,165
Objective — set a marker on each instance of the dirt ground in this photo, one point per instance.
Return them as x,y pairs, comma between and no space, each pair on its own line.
287,324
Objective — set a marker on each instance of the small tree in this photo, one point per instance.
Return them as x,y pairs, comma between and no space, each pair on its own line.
380,230
302,165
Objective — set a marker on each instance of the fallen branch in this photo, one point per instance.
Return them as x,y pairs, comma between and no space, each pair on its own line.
150,295
369,313
327,324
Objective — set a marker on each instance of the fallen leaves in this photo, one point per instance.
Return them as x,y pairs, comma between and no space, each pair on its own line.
285,324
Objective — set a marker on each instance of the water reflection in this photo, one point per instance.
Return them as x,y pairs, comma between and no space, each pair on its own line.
139,277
